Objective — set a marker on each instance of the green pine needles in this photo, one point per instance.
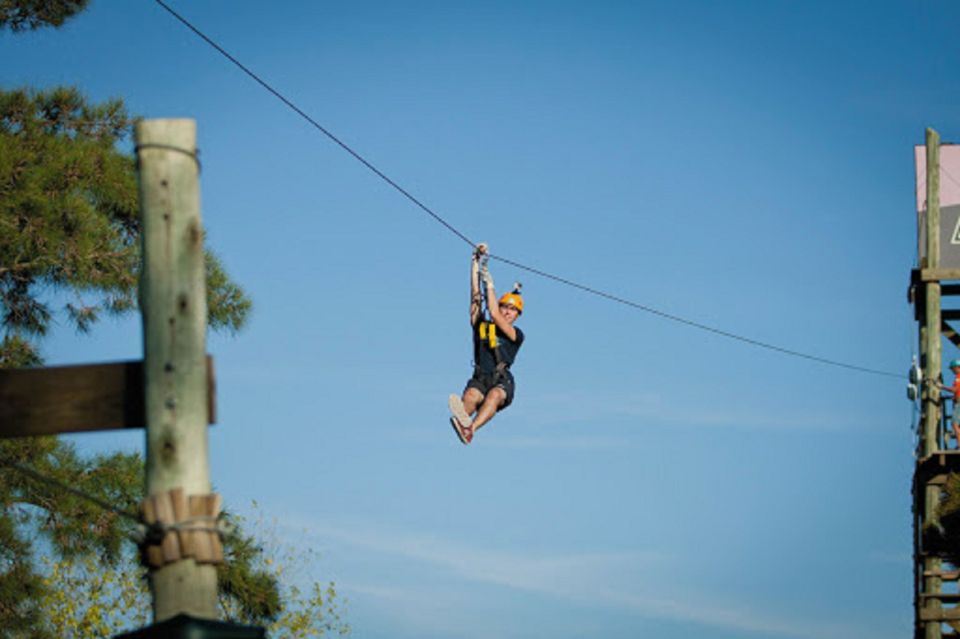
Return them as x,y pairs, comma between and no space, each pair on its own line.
68,217
70,248
28,15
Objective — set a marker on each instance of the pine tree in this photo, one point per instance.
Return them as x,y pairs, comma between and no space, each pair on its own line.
69,237
68,218
22,15
70,245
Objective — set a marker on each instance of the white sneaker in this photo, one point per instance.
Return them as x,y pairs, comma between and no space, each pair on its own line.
456,408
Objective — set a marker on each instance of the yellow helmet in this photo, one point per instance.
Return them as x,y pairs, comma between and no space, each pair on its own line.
513,299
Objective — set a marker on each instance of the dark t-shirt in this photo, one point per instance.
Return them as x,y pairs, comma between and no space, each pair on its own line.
483,355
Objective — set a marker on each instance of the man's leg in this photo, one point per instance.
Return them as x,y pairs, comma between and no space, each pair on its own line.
472,398
491,403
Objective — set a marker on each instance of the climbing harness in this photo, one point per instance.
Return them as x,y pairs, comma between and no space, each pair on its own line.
488,330
486,327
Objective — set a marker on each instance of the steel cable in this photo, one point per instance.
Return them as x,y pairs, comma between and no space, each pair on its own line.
530,269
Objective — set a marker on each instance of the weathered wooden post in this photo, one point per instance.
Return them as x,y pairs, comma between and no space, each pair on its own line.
173,301
932,347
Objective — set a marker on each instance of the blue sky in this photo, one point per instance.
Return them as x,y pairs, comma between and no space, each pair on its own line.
744,165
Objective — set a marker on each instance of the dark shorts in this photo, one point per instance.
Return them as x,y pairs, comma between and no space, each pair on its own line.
484,382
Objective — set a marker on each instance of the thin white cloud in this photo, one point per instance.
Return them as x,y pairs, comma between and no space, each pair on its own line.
509,569
653,409
595,579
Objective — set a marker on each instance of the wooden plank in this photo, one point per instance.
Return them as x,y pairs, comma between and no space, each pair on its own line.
934,468
949,333
211,392
181,513
171,541
66,399
80,398
939,614
203,543
938,480
154,554
939,274
212,504
952,597
946,575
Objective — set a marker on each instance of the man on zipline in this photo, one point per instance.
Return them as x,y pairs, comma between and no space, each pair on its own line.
495,344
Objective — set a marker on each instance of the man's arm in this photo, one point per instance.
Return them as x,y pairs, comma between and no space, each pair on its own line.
475,283
949,390
493,307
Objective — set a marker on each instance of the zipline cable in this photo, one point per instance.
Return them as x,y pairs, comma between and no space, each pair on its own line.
703,327
455,231
49,481
315,124
153,532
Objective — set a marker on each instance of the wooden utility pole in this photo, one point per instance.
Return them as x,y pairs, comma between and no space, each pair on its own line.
932,366
173,301
931,339
171,392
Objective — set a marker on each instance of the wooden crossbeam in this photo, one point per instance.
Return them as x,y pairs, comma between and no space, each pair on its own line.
951,597
946,575
939,614
949,333
933,469
937,480
80,398
939,274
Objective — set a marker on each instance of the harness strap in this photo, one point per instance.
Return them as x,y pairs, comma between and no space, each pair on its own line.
488,331
500,371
